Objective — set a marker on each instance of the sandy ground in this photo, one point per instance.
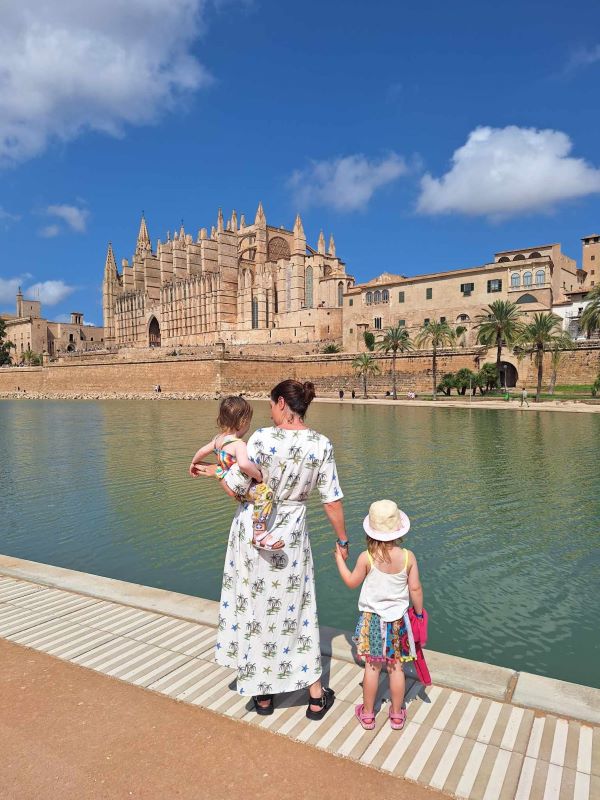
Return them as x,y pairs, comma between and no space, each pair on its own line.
454,402
67,733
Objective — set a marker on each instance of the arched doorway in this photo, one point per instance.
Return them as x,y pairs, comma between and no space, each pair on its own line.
154,333
508,375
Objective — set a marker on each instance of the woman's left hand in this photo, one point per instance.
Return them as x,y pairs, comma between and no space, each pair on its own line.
341,552
204,470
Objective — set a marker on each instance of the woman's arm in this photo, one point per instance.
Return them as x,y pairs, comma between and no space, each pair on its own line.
335,514
247,466
414,584
358,574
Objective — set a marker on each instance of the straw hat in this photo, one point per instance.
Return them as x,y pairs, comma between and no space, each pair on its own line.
385,521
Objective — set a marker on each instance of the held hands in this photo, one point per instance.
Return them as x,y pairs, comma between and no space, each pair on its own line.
203,469
340,553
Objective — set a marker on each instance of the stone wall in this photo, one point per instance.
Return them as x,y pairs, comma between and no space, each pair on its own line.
258,374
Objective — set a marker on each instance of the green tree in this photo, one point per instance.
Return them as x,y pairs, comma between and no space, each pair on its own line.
447,383
369,338
364,365
465,379
557,354
332,347
28,356
395,340
500,325
435,335
5,345
590,319
542,333
487,377
595,387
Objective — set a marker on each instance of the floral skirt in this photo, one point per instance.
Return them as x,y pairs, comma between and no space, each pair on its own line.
383,642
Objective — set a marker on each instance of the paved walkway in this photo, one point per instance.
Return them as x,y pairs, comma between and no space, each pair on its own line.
462,744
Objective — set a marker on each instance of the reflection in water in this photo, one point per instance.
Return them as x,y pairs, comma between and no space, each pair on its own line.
504,509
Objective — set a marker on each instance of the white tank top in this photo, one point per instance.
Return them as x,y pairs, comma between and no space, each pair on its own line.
384,593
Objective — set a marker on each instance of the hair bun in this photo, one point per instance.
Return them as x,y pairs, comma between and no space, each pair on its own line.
309,391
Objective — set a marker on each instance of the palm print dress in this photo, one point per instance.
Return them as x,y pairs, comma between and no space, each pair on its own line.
268,627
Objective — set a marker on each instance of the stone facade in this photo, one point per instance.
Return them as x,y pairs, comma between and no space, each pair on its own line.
29,330
242,284
536,278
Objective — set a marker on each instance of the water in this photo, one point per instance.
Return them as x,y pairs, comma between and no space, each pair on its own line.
504,506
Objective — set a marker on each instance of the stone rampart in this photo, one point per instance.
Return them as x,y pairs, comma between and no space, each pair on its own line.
254,373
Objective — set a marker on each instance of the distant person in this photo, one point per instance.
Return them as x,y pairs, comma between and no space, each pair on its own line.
158,389
235,416
524,398
384,633
341,394
353,394
411,395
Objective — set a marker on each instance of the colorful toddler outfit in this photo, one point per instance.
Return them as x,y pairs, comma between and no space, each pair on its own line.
383,633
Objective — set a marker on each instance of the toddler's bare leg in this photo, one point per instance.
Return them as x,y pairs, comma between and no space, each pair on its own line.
370,686
397,685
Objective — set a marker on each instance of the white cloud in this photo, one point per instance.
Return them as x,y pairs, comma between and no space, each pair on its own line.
70,66
76,218
7,219
346,184
500,172
584,57
49,231
8,289
49,292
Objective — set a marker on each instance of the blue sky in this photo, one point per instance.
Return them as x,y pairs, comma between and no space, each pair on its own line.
425,137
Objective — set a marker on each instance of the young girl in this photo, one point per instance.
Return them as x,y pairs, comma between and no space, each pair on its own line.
389,575
235,416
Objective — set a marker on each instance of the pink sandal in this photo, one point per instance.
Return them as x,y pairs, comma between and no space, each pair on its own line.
366,719
397,720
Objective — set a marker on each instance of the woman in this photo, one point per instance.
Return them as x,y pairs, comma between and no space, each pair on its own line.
268,627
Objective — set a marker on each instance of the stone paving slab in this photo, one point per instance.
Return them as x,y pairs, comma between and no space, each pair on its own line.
468,746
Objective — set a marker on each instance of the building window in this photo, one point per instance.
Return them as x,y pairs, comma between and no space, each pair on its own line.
494,285
369,298
527,279
288,288
426,321
308,290
428,294
402,323
351,302
377,323
70,337
254,312
385,296
463,318
400,297
442,319
592,258
340,297
467,288
540,277
377,297
275,301
351,330
515,280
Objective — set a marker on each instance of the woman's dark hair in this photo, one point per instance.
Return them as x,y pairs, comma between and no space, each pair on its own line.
298,396
234,413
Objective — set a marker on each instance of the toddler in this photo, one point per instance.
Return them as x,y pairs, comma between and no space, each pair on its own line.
235,416
389,575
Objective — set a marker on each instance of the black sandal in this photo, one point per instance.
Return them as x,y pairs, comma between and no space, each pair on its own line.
325,701
264,711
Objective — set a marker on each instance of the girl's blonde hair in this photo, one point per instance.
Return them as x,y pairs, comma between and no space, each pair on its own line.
234,413
380,551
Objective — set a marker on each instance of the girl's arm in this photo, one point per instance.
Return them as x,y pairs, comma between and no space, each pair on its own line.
414,584
358,574
248,467
204,451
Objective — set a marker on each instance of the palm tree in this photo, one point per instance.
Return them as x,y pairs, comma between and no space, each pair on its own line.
395,340
365,365
499,325
435,335
590,319
543,332
557,353
28,356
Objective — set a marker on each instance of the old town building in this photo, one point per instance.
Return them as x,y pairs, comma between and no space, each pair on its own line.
240,284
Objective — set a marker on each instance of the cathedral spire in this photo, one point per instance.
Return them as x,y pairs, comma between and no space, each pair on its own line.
220,225
234,221
143,239
110,265
298,229
243,221
331,250
260,218
321,243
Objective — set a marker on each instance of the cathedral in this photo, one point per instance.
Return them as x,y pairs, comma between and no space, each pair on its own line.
240,284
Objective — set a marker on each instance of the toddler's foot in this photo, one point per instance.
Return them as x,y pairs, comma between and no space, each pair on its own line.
398,719
266,541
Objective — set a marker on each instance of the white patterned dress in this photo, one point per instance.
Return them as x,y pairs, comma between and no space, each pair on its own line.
268,627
